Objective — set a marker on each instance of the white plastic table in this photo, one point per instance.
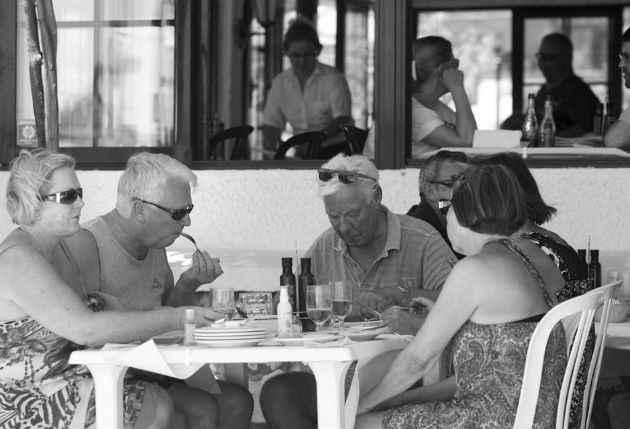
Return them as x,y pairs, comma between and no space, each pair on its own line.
329,365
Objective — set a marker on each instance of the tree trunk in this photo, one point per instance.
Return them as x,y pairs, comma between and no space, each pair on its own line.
41,42
35,69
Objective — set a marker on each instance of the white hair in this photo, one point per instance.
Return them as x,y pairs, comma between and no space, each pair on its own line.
351,164
146,173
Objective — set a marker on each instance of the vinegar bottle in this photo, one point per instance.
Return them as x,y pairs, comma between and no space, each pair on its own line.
306,278
287,278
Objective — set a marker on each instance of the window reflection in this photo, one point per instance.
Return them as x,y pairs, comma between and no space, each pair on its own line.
115,73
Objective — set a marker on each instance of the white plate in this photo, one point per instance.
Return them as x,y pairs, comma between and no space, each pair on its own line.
230,343
299,341
230,337
230,333
212,329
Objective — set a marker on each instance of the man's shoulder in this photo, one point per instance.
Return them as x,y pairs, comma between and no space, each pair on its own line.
417,226
325,239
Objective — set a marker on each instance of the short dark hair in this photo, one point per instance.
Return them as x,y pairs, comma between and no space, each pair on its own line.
488,200
538,211
301,29
625,37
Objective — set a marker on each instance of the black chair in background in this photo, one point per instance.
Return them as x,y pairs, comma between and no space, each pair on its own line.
239,148
356,137
312,140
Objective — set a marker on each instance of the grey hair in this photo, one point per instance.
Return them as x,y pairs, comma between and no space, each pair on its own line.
30,177
352,163
146,173
431,168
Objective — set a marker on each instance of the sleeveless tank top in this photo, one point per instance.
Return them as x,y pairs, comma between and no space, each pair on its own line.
138,284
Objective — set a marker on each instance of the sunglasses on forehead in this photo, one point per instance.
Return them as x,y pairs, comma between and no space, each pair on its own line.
347,177
444,205
63,197
177,214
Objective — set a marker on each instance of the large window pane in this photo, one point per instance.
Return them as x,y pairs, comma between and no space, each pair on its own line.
138,9
73,10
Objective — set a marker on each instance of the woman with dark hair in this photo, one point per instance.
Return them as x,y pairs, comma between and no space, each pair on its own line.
309,95
433,123
573,269
489,307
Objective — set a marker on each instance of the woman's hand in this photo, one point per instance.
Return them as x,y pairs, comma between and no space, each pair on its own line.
402,321
452,79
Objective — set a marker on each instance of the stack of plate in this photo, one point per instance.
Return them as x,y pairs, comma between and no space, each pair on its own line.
229,337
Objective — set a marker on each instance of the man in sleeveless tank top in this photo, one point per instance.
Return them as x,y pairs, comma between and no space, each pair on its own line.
121,256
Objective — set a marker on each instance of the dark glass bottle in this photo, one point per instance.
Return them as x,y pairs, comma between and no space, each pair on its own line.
288,279
530,124
595,269
305,278
547,130
598,119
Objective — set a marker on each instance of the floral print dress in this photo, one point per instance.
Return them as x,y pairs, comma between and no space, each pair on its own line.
489,361
39,389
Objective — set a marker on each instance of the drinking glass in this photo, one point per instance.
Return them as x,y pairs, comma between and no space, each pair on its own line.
319,304
342,301
223,301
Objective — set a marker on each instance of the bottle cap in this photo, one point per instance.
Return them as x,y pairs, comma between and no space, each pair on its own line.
287,261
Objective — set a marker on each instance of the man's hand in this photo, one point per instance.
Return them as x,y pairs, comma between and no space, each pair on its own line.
402,321
378,299
204,270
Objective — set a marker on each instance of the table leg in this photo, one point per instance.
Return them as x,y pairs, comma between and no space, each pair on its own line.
330,378
237,373
108,390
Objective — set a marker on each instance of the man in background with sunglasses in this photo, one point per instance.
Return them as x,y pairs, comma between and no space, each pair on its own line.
372,248
121,256
574,102
437,176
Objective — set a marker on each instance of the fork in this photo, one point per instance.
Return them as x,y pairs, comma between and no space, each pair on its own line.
189,237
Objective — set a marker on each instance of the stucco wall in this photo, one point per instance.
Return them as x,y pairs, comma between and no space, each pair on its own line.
273,210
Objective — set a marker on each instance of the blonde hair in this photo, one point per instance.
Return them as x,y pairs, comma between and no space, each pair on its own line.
30,177
146,173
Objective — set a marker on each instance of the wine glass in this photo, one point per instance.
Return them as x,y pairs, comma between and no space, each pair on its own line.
223,301
342,301
319,304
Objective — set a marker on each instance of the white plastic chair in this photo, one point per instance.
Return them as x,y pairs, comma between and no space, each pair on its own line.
577,315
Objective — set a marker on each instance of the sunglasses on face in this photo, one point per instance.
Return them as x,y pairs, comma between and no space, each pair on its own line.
346,177
177,214
447,183
443,205
63,197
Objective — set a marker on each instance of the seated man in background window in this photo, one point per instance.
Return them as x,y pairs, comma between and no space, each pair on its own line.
311,96
433,123
574,102
437,176
618,135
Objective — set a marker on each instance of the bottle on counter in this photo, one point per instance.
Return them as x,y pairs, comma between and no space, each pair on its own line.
530,124
608,118
285,316
189,327
594,269
547,129
598,119
305,278
287,278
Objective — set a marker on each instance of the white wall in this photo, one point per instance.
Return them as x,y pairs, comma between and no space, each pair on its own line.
254,211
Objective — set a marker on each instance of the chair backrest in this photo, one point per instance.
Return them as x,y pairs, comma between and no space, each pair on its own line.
580,312
356,137
313,138
239,150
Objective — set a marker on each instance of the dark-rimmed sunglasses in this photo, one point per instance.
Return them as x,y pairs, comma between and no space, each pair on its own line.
347,177
177,214
447,183
444,205
63,197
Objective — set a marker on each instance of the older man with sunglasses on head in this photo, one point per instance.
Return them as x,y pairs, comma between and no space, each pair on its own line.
372,248
121,257
436,179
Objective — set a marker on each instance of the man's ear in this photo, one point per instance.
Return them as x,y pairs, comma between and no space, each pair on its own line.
138,211
378,195
428,189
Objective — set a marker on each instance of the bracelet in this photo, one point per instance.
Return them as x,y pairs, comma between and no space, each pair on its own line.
405,296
